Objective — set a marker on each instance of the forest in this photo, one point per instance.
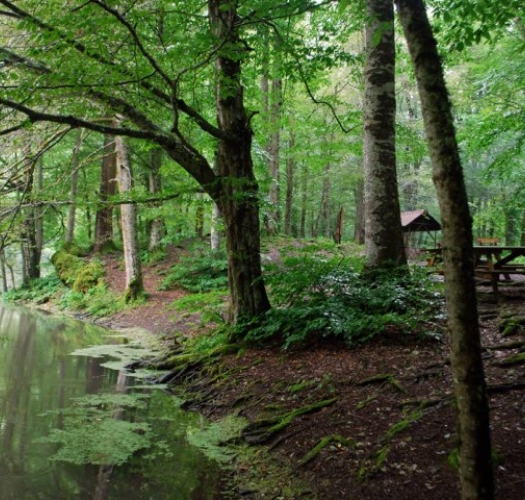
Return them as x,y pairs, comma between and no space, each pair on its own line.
252,161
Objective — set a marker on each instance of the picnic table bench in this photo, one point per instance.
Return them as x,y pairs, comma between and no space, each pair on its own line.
492,262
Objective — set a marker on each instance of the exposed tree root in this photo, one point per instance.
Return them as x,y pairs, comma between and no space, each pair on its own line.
506,387
262,431
518,359
322,444
383,378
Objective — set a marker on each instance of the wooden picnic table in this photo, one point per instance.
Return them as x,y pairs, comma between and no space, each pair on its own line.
497,256
492,261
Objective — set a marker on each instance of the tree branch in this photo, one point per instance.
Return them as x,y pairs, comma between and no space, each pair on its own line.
180,104
131,30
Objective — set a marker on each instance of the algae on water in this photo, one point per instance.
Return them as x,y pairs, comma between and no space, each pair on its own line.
94,431
212,439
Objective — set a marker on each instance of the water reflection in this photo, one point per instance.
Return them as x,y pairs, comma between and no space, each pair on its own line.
38,375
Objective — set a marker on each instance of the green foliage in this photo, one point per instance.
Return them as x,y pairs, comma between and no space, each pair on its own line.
153,257
211,306
202,271
94,432
37,290
88,276
319,295
97,301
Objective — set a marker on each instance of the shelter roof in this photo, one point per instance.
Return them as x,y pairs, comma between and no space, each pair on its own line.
419,220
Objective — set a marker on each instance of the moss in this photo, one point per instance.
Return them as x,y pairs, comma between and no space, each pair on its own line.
134,291
73,249
88,276
67,266
77,273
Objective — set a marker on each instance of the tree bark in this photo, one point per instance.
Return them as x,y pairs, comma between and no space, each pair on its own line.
475,466
304,201
383,235
324,206
128,222
359,202
239,198
157,228
30,244
290,175
75,164
104,217
274,152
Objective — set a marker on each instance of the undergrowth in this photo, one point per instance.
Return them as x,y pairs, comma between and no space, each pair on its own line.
209,306
37,290
201,271
97,301
325,295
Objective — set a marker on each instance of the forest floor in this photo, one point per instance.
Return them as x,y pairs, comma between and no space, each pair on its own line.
389,422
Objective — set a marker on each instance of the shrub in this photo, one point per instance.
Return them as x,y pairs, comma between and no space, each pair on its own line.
97,301
320,295
202,271
210,306
38,290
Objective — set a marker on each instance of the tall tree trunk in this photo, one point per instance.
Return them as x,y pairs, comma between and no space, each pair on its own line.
290,174
157,228
3,269
239,199
359,202
324,209
304,201
272,104
216,226
383,235
128,222
30,248
475,466
274,152
199,218
39,211
75,165
104,217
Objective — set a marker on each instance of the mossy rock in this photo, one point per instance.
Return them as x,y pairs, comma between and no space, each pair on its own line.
67,266
88,276
73,249
77,273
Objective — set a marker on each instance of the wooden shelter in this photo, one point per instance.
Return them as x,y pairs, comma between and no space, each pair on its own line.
421,222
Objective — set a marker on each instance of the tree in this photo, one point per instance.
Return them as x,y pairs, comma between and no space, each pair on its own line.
128,217
475,464
31,234
239,201
75,166
114,54
383,235
157,227
108,188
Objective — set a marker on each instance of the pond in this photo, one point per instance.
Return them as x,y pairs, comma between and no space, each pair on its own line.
75,427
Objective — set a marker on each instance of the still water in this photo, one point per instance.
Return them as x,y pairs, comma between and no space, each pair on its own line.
59,410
